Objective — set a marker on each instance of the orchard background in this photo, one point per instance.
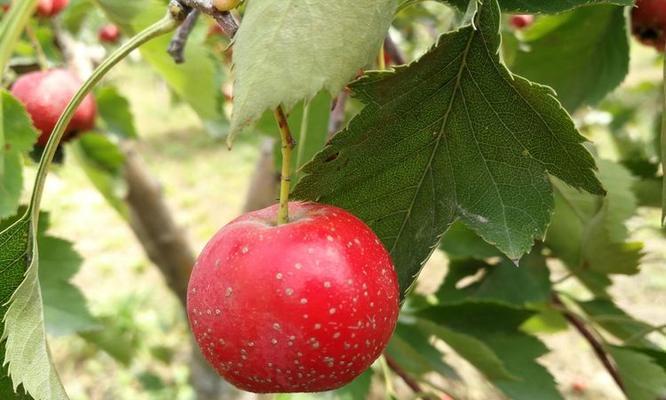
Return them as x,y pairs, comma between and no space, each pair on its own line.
552,286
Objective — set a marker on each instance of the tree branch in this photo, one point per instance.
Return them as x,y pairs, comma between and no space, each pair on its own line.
595,342
224,18
177,46
409,381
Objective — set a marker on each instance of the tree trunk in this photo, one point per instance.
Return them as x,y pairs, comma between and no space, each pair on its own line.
167,247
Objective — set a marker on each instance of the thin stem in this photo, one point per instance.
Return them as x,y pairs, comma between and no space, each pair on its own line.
381,60
165,25
595,342
39,51
642,334
409,381
11,28
177,46
285,178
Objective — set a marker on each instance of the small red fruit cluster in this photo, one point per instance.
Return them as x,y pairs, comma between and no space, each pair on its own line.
648,23
109,34
45,95
521,21
305,306
50,8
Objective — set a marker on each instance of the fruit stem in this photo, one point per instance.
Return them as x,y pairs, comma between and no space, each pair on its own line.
165,25
381,60
39,51
288,144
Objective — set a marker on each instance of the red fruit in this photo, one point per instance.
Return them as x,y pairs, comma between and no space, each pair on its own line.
109,34
46,94
50,8
521,21
301,307
648,23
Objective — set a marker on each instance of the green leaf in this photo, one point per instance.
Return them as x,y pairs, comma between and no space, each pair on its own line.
615,320
103,162
495,329
452,136
115,113
460,242
470,348
642,378
27,352
542,6
588,232
417,356
17,135
7,391
582,54
313,46
65,308
498,282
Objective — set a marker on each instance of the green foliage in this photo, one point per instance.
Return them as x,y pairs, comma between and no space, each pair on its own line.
488,336
449,165
582,54
542,6
17,136
588,232
115,113
304,58
103,162
498,282
643,379
27,353
65,309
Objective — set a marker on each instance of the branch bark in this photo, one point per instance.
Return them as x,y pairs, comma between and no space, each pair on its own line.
409,381
594,341
224,18
177,46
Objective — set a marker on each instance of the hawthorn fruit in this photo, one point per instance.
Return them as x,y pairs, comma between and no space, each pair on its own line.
45,95
109,34
648,23
521,21
50,8
305,306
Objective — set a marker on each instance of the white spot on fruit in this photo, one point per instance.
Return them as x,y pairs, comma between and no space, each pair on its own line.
276,326
278,276
304,301
229,292
332,311
244,250
329,238
327,284
274,341
298,265
289,291
317,326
